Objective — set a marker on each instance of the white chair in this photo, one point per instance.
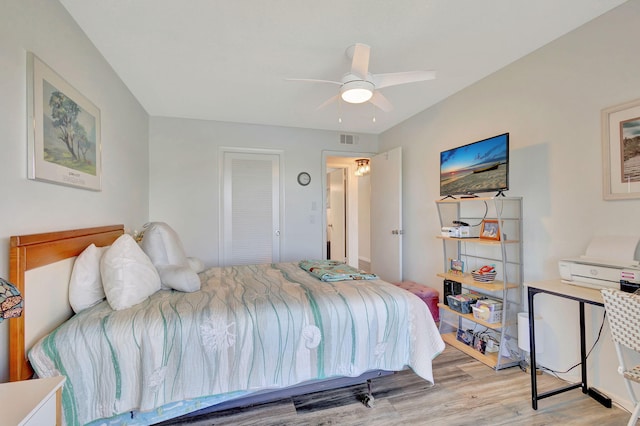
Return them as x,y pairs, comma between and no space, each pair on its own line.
623,311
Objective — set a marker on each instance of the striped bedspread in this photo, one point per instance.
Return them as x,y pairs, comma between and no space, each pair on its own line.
249,328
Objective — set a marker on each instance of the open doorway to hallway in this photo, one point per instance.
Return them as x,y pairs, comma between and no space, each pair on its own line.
347,218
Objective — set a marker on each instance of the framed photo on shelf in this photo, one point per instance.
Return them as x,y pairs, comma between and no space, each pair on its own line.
64,143
621,151
456,266
490,230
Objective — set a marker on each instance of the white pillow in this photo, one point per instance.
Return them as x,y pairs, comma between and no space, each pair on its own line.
178,278
85,287
128,276
196,264
163,246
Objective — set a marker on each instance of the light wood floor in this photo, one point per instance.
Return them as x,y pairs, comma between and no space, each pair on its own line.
466,393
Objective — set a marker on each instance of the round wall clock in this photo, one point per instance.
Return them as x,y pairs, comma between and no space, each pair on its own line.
304,178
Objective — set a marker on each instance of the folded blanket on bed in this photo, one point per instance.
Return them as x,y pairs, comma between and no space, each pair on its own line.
332,270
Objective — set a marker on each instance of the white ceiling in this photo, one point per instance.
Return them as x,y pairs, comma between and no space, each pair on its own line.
229,60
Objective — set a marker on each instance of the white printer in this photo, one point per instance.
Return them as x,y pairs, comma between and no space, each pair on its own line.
607,262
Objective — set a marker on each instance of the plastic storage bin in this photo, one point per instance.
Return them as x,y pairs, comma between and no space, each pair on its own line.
482,312
463,302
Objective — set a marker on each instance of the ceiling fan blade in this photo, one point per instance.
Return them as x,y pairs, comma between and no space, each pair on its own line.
396,78
360,62
313,80
328,101
381,102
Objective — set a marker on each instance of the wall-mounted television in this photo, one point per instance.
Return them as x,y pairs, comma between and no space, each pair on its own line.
481,166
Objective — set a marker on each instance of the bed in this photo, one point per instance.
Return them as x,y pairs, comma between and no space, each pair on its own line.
248,331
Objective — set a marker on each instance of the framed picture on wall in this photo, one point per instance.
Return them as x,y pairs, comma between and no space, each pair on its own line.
64,145
490,230
621,151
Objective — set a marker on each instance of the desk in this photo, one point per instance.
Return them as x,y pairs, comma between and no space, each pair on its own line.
32,402
580,294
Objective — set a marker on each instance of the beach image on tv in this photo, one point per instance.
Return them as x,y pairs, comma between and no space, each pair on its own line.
477,167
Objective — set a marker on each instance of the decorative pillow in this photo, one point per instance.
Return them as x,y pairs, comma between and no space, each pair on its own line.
163,246
128,276
195,264
85,287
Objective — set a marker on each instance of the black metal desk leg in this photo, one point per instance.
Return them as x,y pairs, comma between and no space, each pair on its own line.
583,349
532,351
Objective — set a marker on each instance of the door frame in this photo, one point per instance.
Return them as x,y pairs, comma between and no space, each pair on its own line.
351,205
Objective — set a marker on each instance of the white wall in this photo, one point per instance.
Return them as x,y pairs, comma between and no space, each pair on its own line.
45,28
550,102
185,179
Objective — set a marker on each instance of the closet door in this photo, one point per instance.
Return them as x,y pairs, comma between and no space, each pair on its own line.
251,208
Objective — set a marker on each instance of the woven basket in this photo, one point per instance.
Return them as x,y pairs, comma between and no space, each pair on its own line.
487,277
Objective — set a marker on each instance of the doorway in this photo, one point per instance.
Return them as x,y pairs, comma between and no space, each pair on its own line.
373,228
347,217
336,214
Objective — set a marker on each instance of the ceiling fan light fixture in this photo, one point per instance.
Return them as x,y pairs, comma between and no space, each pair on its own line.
357,92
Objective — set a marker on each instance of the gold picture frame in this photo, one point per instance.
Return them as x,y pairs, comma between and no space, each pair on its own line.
64,143
490,230
621,151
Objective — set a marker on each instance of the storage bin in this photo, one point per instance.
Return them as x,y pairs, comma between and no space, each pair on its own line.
482,312
463,302
493,305
429,295
487,277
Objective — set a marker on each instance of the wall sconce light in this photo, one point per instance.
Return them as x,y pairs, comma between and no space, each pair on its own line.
362,167
10,300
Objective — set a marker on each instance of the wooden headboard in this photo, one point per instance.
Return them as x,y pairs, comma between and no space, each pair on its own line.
32,251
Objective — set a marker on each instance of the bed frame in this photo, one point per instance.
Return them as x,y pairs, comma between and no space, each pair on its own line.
29,252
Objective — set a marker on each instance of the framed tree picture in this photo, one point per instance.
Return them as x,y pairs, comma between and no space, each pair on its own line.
621,151
63,130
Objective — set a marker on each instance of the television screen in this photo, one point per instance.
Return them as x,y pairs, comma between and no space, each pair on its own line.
480,166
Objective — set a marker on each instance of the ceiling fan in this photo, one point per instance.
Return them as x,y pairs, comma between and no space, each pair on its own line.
359,85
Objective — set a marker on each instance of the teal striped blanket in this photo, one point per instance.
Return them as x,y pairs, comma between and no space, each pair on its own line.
332,270
249,328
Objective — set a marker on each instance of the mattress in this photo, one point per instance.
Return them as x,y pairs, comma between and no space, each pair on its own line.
250,328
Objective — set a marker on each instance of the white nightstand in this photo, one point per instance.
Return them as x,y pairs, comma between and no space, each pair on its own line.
34,402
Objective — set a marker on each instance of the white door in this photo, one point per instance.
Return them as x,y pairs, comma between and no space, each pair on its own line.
251,208
386,215
336,216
